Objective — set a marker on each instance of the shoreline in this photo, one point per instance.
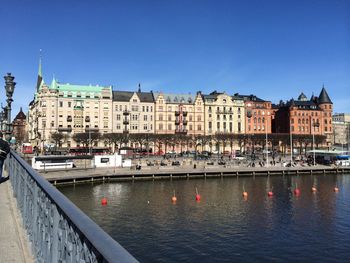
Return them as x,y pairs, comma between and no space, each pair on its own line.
75,176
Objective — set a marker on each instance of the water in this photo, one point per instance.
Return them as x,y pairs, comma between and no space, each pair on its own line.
223,227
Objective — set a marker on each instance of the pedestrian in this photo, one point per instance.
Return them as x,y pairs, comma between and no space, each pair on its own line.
4,150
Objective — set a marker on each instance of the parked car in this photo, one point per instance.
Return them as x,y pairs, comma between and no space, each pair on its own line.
175,163
221,162
239,157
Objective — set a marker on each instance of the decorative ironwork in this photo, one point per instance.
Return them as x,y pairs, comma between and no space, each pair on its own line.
57,229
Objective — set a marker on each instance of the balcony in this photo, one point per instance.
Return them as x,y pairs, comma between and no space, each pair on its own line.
69,119
184,122
91,129
180,131
184,113
125,122
62,129
177,122
126,113
125,131
177,113
87,119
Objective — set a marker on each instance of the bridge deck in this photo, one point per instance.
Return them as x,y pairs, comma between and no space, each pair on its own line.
14,245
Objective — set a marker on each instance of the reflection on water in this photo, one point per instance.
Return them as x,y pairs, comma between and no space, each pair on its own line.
223,226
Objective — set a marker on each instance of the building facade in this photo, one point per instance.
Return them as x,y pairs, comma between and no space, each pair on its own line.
258,117
223,113
133,112
68,109
19,125
341,130
179,114
303,116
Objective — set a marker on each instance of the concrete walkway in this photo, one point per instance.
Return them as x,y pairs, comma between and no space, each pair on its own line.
14,244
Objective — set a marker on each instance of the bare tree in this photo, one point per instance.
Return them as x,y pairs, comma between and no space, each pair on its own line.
57,138
86,138
115,139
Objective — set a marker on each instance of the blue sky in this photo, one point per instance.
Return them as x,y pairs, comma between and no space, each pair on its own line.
274,49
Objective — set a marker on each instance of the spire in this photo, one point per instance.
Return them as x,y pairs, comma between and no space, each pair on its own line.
302,97
53,83
139,90
324,98
40,76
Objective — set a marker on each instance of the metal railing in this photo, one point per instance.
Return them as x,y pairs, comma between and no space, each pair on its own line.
57,229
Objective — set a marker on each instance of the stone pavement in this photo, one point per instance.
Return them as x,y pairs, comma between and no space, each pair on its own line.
14,244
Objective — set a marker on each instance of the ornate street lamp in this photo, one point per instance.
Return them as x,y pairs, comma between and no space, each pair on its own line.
10,88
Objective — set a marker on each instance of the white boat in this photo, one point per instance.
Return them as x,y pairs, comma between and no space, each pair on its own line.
49,164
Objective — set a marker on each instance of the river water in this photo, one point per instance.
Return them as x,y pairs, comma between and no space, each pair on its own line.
223,226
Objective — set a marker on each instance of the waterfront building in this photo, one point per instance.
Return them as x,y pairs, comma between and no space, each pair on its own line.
306,116
133,112
179,114
341,130
258,117
68,109
224,114
19,125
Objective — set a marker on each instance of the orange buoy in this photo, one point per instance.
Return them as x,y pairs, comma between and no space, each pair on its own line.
174,199
245,194
296,191
313,189
336,189
104,201
270,193
198,196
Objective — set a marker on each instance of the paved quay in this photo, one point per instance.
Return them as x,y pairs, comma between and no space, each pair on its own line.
14,244
155,172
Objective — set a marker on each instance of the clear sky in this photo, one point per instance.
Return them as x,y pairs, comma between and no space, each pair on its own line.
274,49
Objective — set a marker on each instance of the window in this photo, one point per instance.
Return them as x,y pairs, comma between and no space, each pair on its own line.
169,117
169,127
199,127
61,104
118,117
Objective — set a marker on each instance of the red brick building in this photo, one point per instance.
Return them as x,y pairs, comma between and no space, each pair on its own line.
258,118
19,127
305,116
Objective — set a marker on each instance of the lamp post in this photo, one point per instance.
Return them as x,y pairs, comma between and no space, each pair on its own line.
10,88
291,141
89,140
267,146
313,139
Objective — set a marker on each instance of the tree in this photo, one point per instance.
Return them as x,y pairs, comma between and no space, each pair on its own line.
86,138
140,138
57,138
115,139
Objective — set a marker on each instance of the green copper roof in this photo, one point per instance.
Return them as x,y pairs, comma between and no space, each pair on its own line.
76,88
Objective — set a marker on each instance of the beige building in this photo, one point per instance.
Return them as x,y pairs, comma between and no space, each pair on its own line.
224,114
179,114
68,109
341,129
133,112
